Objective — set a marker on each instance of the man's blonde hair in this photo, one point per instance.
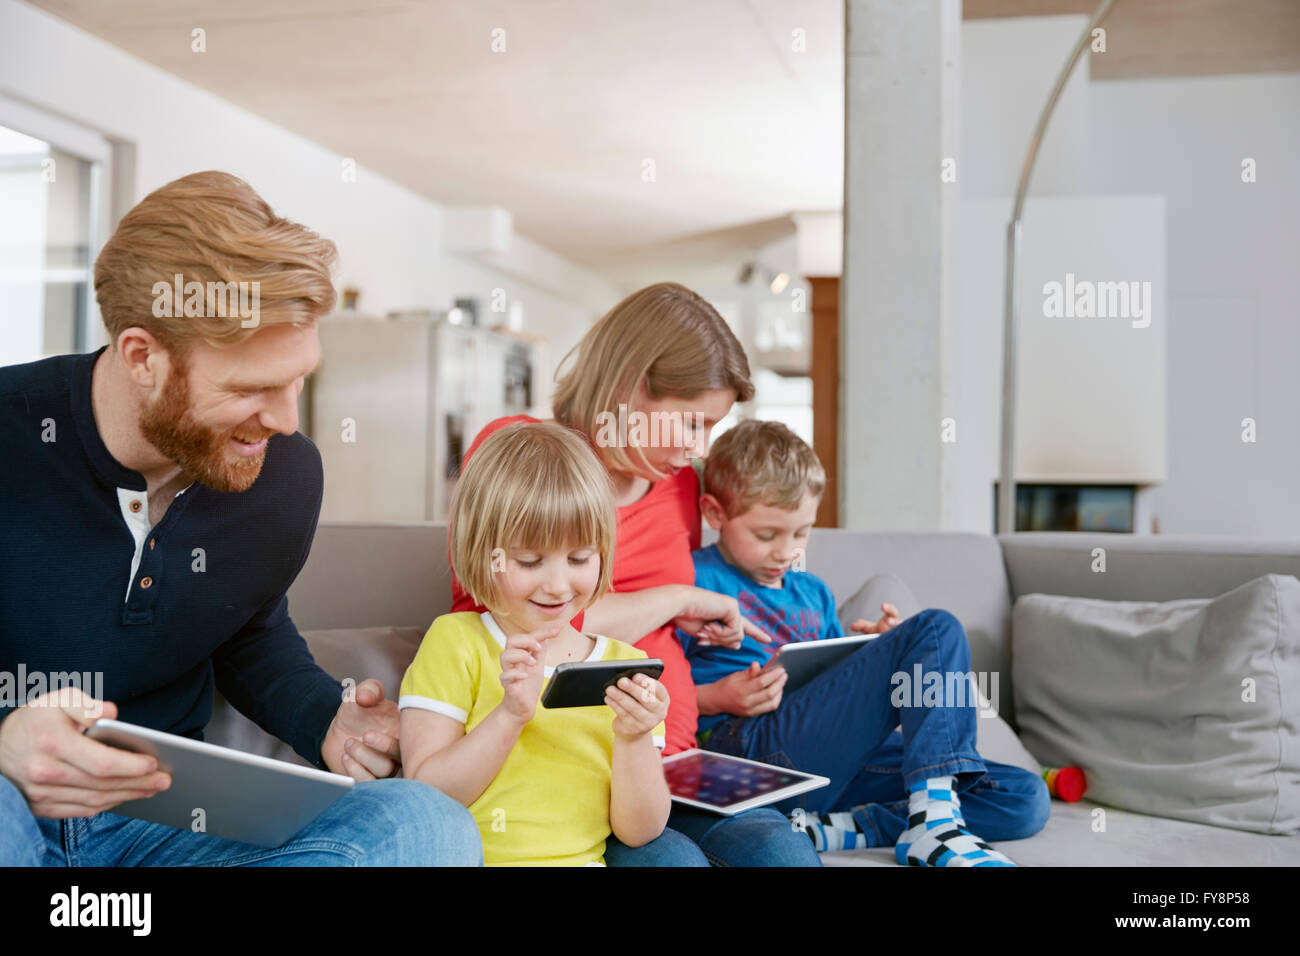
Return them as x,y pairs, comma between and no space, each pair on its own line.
762,462
211,227
664,333
534,485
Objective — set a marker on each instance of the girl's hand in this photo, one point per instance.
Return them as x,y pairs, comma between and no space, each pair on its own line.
523,669
640,704
890,619
716,619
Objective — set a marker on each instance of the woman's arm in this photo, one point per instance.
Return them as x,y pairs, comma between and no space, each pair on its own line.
437,751
714,618
628,616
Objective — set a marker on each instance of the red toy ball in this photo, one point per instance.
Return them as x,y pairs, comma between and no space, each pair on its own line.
1065,783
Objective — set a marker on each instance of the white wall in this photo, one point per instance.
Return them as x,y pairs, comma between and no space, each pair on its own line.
1234,258
389,239
1233,248
1090,390
1008,69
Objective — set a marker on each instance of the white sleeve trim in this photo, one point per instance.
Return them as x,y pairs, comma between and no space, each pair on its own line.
437,706
658,741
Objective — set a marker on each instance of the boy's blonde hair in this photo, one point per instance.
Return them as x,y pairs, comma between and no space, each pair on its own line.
530,485
762,462
665,333
211,227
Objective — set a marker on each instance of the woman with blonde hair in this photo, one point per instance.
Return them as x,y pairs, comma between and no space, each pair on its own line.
645,386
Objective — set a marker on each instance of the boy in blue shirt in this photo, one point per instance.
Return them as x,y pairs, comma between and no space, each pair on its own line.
762,488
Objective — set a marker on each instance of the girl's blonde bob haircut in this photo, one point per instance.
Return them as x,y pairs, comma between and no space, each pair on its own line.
533,485
664,334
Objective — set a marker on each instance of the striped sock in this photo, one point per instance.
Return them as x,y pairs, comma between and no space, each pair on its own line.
936,835
834,831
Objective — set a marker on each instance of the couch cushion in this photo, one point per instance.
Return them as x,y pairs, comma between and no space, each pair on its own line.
961,573
1186,709
880,588
1141,567
359,653
1085,834
372,574
356,653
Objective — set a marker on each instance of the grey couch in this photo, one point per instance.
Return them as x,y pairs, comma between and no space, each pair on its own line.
369,591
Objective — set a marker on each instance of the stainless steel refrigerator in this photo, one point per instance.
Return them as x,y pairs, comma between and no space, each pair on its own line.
396,402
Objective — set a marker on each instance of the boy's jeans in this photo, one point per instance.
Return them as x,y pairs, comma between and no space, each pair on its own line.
379,823
841,725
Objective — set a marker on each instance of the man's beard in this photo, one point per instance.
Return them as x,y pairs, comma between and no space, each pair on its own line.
202,454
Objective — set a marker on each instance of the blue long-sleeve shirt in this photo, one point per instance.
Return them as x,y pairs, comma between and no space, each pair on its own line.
803,609
160,615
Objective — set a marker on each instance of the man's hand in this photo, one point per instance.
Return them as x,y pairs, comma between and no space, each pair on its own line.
745,693
63,773
716,619
363,739
890,619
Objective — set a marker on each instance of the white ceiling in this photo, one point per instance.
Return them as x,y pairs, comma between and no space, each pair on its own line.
741,128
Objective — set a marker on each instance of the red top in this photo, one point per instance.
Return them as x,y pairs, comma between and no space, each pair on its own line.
653,546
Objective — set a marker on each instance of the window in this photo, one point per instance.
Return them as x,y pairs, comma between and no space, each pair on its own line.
49,235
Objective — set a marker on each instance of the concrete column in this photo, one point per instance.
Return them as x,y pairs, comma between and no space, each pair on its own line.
897,307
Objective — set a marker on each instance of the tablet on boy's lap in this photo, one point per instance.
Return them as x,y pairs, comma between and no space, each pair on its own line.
730,785
806,660
223,792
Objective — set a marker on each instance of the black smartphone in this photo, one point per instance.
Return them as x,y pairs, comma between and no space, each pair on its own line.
583,683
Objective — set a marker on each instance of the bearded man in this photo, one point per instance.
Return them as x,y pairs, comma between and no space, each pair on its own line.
158,502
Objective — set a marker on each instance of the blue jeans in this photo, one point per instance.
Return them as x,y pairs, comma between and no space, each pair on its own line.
841,725
379,823
762,837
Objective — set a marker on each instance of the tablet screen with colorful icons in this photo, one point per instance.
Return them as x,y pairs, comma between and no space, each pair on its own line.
731,784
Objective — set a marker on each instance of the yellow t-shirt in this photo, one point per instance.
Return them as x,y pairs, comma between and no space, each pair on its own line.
549,803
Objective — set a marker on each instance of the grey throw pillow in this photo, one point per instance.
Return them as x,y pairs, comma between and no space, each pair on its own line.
879,588
1188,709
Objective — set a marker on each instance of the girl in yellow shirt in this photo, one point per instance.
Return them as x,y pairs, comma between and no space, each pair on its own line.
531,537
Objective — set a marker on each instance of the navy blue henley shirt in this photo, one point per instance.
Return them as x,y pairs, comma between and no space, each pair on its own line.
164,613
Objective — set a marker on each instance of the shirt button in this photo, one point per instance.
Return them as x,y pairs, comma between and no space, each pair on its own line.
146,583
135,505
